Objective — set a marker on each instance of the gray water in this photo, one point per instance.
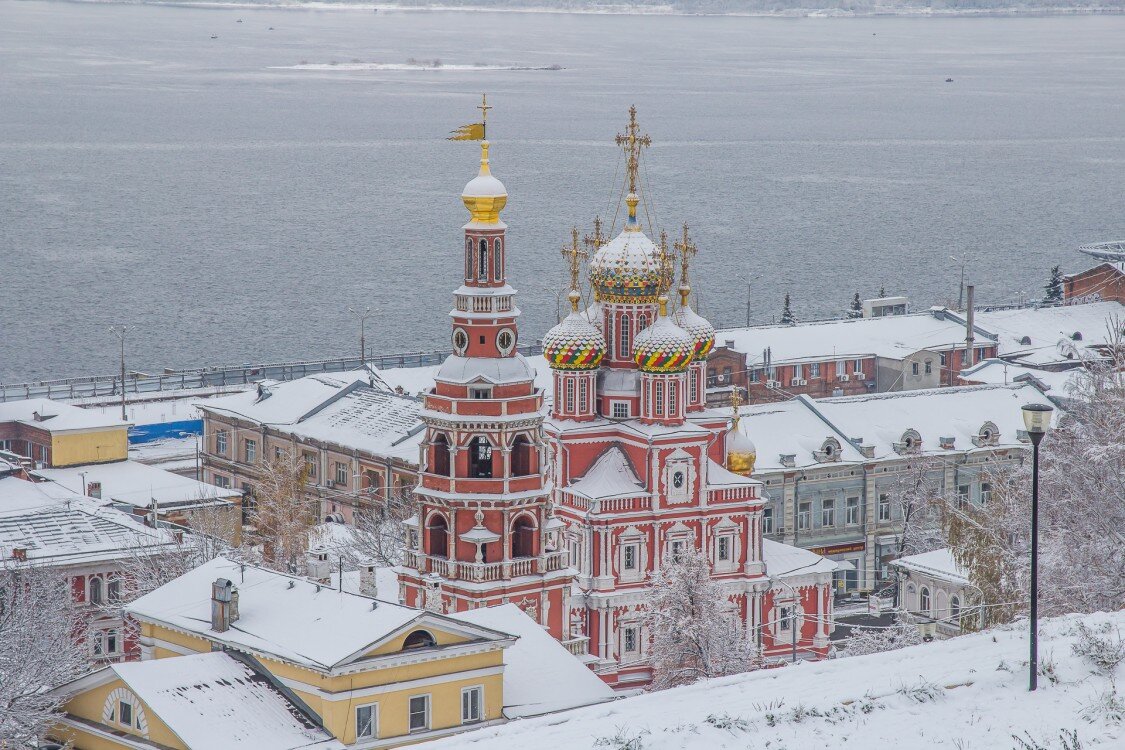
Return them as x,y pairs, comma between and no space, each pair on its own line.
232,212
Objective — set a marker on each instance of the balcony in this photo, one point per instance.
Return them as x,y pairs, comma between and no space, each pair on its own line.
579,646
478,408
484,572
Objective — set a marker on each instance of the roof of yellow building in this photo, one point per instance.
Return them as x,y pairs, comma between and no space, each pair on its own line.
55,416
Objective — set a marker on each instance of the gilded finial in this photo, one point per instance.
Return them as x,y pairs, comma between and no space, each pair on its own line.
632,142
667,265
573,253
687,250
662,301
597,239
735,402
484,107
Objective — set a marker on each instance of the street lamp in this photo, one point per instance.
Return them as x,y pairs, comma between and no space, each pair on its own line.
363,316
749,296
119,331
960,289
1036,420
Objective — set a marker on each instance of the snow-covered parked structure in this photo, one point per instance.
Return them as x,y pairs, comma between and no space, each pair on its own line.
933,590
205,701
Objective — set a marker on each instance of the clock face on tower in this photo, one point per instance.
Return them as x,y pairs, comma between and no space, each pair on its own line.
460,341
506,341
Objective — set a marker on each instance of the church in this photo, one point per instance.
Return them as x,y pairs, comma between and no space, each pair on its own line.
567,512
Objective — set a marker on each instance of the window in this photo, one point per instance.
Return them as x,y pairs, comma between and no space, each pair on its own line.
767,521
471,701
924,600
941,359
522,454
440,465
841,367
828,513
929,366
496,259
814,370
250,448
419,713
112,642
962,496
913,368
468,259
113,589
955,610
418,639
693,386
480,393
884,507
310,465
480,458
620,409
96,593
222,481
629,640
367,722
804,515
798,371
857,365
724,548
771,373
785,618
985,493
659,398
852,511
523,537
583,395
756,375
623,348
569,395
629,557
277,452
677,548
482,261
97,642
125,712
341,474
221,442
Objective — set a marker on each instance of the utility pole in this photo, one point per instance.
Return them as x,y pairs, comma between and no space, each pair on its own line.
969,328
748,296
119,331
961,288
363,316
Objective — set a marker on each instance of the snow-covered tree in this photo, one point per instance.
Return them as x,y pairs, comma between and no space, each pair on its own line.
41,647
856,309
786,313
694,628
918,495
1054,287
862,641
283,513
377,534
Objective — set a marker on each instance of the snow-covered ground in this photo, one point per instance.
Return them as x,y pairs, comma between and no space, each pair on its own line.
967,693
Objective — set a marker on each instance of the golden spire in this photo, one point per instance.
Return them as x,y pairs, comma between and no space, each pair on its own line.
573,254
632,142
687,250
597,239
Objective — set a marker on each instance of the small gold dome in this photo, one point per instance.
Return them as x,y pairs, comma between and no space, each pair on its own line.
484,195
741,451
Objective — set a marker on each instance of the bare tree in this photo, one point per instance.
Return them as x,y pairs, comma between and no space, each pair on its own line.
377,534
42,645
919,494
695,631
283,513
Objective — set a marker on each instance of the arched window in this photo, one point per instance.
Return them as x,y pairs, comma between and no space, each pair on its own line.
419,639
497,260
438,532
468,259
96,590
693,385
482,263
955,610
624,350
480,458
523,537
98,642
673,395
583,396
924,600
521,457
439,463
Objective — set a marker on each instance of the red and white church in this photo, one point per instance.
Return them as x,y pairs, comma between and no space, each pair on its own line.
567,514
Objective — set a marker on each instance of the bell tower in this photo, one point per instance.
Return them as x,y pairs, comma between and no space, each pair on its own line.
485,533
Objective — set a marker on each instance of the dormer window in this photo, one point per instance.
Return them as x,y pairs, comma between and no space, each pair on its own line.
480,392
989,434
829,450
911,442
419,639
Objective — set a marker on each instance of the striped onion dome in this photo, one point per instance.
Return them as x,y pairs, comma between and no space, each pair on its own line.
698,328
663,347
574,344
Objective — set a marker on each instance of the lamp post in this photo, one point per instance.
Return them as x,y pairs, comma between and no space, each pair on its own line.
1037,420
363,316
119,331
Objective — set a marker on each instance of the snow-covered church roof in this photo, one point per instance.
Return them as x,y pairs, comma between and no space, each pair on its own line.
611,476
787,561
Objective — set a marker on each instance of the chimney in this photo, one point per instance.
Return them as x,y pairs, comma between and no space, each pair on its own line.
969,354
19,554
233,609
947,443
368,586
319,569
94,489
221,595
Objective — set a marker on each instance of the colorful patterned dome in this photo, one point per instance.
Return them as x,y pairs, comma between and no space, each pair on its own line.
663,346
627,269
574,344
698,328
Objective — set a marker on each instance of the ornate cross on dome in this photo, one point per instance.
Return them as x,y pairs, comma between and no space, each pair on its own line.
573,253
667,265
632,141
597,239
687,250
484,107
735,402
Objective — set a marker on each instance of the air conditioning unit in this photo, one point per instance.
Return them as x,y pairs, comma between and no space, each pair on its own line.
843,378
859,376
773,384
802,381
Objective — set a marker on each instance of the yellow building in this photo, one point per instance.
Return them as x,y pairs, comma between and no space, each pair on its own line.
54,434
375,673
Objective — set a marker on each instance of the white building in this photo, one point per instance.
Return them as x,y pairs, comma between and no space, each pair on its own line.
933,590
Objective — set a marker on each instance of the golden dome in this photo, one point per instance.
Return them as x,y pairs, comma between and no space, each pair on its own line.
484,195
741,451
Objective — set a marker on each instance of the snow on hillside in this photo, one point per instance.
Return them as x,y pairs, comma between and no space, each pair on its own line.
968,693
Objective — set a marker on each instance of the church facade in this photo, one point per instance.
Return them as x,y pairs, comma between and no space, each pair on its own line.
568,514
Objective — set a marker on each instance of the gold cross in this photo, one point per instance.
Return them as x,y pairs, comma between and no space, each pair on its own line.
573,253
484,107
632,142
687,250
597,239
735,402
666,263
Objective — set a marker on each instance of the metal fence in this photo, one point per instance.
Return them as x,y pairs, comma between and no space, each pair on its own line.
204,377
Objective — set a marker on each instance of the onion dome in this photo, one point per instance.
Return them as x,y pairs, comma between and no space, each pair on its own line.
574,344
741,451
663,346
698,328
628,268
484,195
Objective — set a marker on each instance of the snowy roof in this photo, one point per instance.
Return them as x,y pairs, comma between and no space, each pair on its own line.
138,484
1001,372
283,616
939,564
170,454
893,336
540,675
719,476
513,369
281,403
791,428
58,527
786,561
874,701
212,700
881,420
55,416
611,476
1046,327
